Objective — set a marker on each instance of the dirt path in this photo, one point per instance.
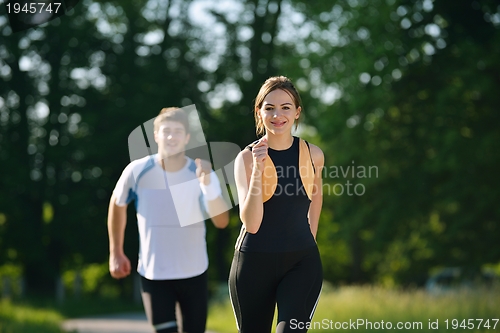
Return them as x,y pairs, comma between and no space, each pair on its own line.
121,323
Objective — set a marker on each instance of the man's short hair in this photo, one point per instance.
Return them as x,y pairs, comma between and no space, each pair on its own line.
172,114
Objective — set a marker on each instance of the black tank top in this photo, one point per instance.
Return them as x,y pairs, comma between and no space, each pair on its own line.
285,226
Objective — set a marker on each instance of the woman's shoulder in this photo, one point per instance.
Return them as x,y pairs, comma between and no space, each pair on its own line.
246,153
250,145
316,154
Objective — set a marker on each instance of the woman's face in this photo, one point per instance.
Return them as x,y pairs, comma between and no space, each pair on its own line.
278,112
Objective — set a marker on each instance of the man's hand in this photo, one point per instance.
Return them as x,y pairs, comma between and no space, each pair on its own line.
119,266
203,170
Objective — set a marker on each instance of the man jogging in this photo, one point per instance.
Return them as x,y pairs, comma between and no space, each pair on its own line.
173,194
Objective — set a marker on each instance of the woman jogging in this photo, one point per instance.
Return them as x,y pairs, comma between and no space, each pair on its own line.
278,179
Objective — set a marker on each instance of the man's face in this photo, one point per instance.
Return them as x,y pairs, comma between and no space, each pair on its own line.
171,138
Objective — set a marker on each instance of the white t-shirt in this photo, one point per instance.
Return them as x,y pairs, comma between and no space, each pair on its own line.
169,217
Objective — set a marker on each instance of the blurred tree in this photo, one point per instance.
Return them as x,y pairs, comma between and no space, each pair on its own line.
77,86
408,87
66,126
246,32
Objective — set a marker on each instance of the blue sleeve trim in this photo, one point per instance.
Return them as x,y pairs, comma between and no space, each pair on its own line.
132,195
192,166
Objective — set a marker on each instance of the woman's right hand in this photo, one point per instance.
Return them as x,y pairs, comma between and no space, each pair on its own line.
259,154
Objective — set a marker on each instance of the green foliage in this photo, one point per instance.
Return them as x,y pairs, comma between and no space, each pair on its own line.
25,318
90,281
415,86
10,280
45,316
377,304
408,87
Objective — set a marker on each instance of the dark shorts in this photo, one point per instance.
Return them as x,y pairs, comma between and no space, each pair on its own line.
159,298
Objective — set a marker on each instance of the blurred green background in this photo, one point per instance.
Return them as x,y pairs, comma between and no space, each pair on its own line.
402,96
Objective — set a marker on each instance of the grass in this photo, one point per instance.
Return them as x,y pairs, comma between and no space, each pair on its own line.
221,318
374,304
340,305
27,318
45,316
408,307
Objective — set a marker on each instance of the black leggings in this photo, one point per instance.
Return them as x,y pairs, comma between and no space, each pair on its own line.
159,298
260,280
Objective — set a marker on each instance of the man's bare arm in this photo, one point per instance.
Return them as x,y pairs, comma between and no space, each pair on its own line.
119,264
